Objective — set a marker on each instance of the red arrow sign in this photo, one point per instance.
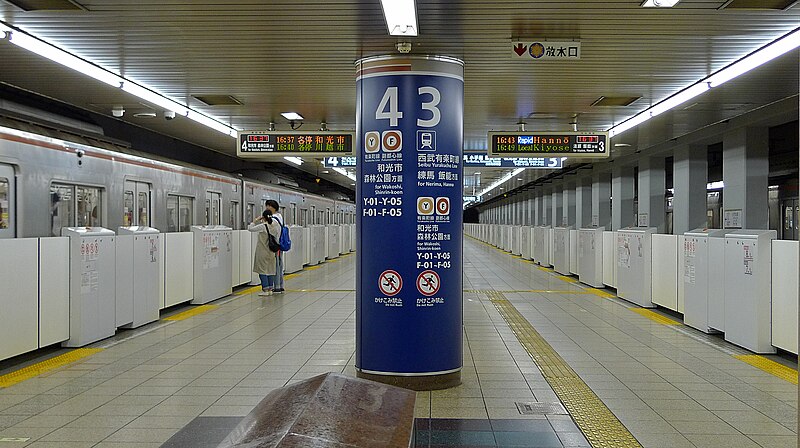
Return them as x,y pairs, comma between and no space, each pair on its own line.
520,49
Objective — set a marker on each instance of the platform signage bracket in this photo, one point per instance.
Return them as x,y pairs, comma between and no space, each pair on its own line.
549,144
276,144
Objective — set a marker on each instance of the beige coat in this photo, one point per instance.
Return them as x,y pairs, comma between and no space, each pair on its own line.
265,262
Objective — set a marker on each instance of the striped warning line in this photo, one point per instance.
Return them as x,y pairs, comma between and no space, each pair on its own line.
655,317
600,426
192,312
39,368
773,368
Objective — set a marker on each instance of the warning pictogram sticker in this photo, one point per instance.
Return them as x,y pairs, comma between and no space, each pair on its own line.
390,282
392,141
428,283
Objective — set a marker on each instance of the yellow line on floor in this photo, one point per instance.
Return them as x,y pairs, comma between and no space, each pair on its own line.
567,279
542,268
249,290
550,291
601,293
39,368
600,426
773,368
192,312
311,268
655,317
320,290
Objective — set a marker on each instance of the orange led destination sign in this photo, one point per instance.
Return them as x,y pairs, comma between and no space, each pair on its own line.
255,144
548,144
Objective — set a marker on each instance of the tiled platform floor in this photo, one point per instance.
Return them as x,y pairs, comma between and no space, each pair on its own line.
670,387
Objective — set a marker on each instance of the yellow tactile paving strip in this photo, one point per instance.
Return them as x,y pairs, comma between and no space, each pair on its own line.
39,368
192,312
781,371
655,317
600,426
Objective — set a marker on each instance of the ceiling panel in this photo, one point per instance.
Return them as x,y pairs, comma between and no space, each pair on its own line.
298,55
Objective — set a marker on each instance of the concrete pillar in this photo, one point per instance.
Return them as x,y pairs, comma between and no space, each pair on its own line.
601,202
745,172
558,205
528,207
622,212
583,202
568,218
689,178
652,185
547,206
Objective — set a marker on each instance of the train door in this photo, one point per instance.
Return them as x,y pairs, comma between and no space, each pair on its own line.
136,204
234,218
790,210
213,206
8,215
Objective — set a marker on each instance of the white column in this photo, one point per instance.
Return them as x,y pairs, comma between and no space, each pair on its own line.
690,177
745,173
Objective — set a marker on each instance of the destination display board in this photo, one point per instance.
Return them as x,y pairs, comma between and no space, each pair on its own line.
256,144
549,144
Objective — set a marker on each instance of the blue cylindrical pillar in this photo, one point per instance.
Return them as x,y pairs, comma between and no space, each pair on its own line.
409,127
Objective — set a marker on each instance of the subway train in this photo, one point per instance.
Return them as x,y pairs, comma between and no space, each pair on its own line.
50,180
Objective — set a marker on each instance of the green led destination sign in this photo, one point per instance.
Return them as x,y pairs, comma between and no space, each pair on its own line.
549,144
258,144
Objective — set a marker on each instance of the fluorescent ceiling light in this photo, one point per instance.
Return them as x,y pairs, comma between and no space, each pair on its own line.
500,181
772,50
292,116
660,3
296,160
344,172
401,17
71,61
759,57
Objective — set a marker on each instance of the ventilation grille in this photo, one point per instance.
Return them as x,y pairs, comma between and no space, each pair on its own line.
758,4
218,100
47,5
616,101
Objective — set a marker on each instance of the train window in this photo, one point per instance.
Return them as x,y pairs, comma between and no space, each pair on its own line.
303,217
66,199
213,206
127,214
234,217
293,215
787,219
143,206
282,211
313,215
89,207
186,213
172,213
251,208
5,205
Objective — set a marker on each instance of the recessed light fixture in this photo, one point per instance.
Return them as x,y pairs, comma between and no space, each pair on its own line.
326,172
519,178
622,145
296,160
292,116
401,17
660,3
768,52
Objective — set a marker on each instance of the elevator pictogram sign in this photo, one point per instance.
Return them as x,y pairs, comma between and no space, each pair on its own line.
390,282
428,283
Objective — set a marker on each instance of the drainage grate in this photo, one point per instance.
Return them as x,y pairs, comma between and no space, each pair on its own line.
536,408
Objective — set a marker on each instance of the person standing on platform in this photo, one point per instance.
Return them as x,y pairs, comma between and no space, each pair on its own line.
273,207
265,260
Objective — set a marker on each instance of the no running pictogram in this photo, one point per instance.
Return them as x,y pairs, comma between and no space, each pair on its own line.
390,282
428,283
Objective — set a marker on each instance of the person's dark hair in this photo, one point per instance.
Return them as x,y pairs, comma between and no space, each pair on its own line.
267,215
272,203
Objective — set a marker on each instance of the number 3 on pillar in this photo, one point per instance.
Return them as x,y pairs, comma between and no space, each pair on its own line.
394,115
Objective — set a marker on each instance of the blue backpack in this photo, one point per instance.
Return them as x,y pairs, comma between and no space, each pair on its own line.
284,241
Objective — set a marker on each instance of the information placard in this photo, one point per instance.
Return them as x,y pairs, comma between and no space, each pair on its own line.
259,144
549,144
